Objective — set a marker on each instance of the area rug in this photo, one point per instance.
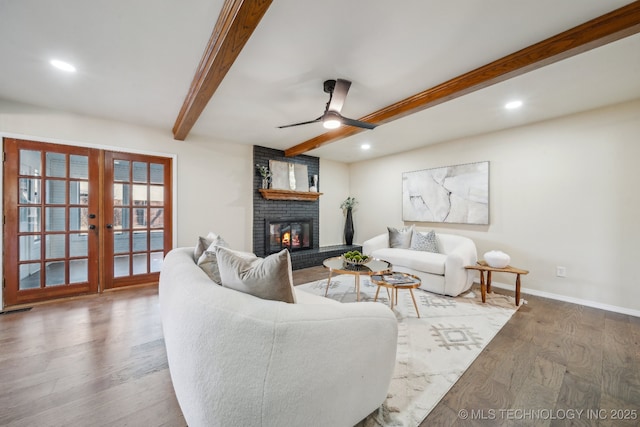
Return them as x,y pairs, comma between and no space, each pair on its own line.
434,350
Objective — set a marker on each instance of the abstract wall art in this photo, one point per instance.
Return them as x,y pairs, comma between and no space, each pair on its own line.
452,194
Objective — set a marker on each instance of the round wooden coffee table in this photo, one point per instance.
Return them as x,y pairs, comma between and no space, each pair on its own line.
395,281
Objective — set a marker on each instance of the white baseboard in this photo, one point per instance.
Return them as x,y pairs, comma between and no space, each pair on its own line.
587,303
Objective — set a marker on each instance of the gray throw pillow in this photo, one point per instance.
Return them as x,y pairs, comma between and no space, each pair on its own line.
205,242
208,262
400,238
425,242
267,278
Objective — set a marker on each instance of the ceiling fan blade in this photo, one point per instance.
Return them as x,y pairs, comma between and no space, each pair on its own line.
301,123
358,123
339,95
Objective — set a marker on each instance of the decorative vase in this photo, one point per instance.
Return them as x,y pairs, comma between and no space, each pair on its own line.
497,259
348,228
265,183
314,184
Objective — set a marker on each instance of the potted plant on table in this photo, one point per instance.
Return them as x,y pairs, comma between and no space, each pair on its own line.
347,207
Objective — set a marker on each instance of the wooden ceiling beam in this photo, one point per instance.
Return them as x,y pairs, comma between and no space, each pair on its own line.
236,22
600,31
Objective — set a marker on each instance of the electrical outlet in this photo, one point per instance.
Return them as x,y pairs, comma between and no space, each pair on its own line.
561,271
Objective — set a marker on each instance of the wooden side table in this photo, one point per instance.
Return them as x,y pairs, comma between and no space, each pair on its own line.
407,281
485,287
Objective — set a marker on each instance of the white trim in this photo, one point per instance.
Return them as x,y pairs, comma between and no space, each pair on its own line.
558,297
172,156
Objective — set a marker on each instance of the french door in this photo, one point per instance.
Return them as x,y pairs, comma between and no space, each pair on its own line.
137,217
81,220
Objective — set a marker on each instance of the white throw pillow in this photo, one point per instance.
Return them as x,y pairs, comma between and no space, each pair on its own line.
267,278
400,238
425,242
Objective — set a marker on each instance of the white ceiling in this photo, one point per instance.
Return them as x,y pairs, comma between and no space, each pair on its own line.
136,61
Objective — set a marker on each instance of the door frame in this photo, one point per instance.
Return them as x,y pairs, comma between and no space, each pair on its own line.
75,143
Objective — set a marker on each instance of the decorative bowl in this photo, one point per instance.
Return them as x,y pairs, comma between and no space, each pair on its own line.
497,259
364,260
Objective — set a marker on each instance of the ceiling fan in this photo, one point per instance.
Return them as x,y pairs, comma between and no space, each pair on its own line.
332,119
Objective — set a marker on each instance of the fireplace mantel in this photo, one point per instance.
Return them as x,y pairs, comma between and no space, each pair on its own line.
275,194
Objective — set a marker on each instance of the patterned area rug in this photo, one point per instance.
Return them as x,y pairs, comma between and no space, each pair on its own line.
433,351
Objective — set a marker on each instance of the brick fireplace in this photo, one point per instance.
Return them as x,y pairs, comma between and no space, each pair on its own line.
298,217
293,212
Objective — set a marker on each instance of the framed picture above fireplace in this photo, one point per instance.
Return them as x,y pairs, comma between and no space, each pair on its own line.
289,176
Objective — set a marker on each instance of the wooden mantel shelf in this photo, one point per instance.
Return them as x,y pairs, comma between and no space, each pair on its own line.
274,194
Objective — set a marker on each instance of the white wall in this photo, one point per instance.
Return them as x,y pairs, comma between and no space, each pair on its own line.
334,184
562,193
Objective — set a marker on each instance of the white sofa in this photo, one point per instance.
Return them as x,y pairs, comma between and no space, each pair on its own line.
442,273
238,360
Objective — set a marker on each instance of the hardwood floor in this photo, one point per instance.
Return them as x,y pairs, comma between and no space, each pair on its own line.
100,361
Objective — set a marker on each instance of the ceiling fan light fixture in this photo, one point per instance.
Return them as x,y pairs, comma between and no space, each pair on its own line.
331,121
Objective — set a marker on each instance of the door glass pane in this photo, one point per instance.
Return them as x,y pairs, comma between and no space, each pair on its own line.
156,261
156,195
140,195
29,220
54,246
56,192
29,191
29,276
54,275
29,247
140,241
157,173
30,163
56,165
78,166
139,172
78,219
79,192
141,218
121,242
121,194
157,240
157,218
140,264
121,265
121,170
55,219
78,271
78,245
121,218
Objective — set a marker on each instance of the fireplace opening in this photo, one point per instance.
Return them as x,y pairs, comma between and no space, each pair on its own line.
291,234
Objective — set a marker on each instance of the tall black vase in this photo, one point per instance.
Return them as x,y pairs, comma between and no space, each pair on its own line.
348,228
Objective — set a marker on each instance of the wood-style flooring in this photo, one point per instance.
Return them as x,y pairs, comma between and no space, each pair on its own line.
100,361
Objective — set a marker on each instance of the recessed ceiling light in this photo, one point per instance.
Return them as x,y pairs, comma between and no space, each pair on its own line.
64,66
513,105
365,146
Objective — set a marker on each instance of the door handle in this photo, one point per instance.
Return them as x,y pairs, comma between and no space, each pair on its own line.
109,226
92,227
